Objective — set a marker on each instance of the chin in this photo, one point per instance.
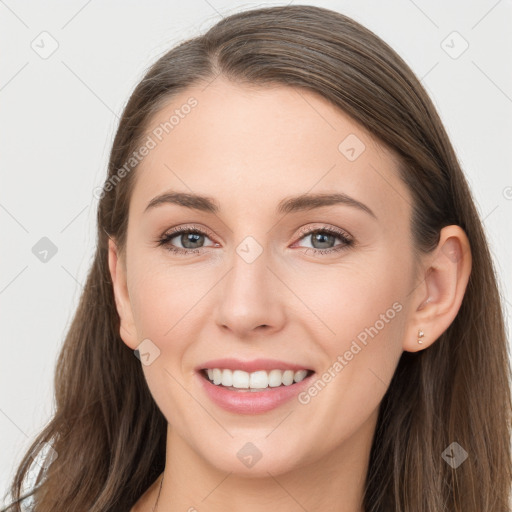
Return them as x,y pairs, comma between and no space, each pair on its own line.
253,459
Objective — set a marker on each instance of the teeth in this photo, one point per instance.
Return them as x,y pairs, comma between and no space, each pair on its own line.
238,379
275,378
257,379
227,378
217,376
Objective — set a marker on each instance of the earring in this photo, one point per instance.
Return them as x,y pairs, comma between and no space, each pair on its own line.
420,335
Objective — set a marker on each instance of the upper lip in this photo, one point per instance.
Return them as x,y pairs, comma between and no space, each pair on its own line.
250,366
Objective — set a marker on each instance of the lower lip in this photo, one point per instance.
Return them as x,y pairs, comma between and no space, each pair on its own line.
252,402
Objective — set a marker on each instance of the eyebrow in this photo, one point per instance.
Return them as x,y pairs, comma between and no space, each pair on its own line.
298,203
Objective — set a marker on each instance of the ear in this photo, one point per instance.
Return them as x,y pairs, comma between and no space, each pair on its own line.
444,275
117,267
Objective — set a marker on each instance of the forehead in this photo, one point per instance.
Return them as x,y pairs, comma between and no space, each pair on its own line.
251,146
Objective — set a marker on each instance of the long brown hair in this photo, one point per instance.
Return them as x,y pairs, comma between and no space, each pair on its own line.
108,433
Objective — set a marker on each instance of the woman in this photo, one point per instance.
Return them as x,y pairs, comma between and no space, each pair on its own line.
287,244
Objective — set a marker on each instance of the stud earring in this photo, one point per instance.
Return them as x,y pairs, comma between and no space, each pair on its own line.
420,335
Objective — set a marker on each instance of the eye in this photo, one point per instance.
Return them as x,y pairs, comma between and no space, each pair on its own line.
324,237
191,239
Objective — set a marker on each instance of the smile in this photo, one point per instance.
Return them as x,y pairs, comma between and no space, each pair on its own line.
240,380
252,386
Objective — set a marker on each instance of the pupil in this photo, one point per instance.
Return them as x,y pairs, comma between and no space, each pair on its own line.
185,239
322,235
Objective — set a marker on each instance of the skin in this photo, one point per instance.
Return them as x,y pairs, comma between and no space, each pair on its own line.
248,148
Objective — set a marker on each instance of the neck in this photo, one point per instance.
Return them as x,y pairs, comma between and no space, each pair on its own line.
333,482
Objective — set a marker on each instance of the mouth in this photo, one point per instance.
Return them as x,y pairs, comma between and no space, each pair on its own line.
252,386
256,381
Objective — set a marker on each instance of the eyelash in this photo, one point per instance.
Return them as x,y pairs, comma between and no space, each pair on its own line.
164,241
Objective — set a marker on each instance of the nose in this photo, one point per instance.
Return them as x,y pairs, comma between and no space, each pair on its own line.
251,298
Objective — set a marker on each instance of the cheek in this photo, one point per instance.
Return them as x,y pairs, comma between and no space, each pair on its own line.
164,301
161,295
348,302
361,316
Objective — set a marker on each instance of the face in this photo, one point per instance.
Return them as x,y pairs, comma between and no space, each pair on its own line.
264,281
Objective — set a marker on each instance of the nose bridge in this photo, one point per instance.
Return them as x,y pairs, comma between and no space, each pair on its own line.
249,298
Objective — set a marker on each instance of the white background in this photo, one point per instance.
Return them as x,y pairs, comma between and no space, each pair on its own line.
59,115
